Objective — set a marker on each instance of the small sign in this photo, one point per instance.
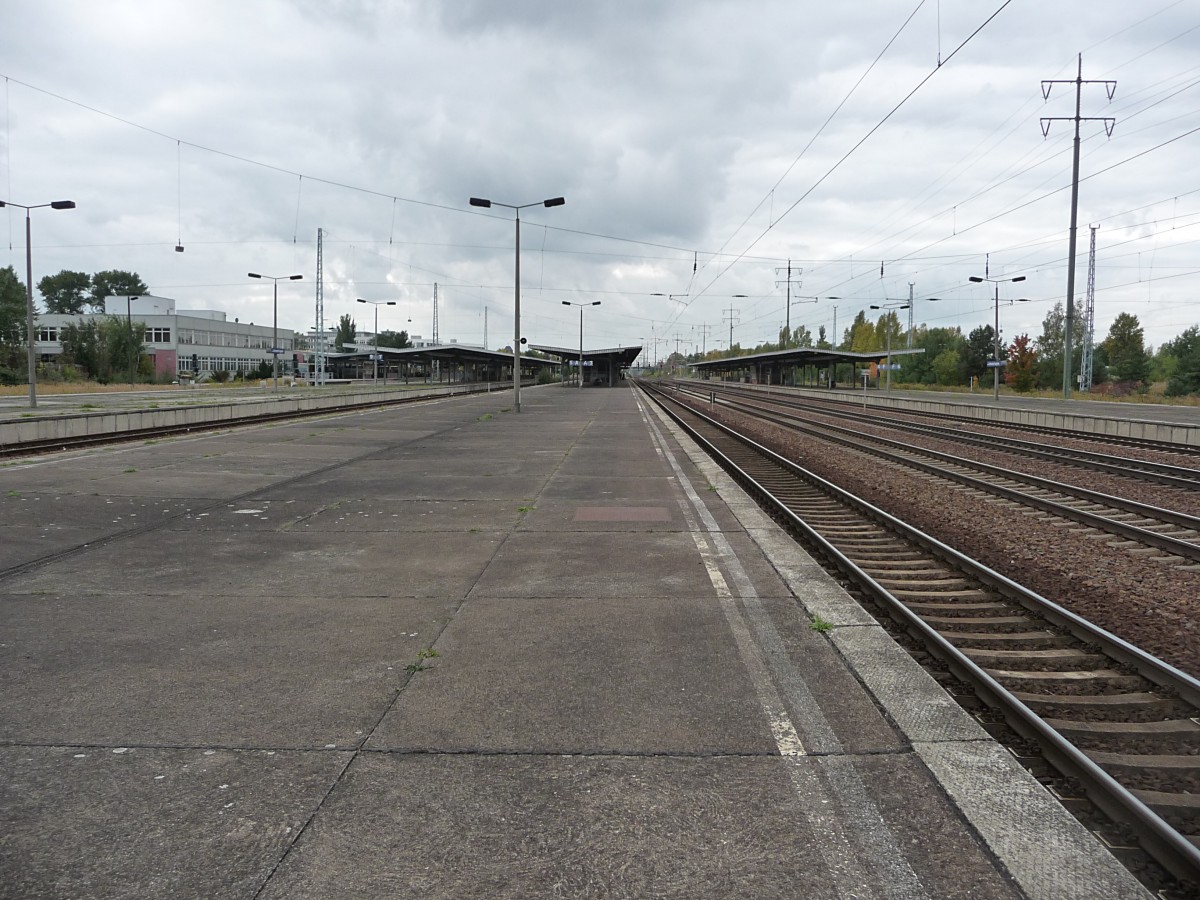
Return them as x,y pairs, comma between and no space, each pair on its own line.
996,363
276,350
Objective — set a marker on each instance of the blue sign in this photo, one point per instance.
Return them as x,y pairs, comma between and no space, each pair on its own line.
996,363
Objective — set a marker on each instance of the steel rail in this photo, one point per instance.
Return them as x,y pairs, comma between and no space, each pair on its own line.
869,444
1146,470
1166,844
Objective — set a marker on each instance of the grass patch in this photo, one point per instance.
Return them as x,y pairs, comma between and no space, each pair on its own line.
819,625
419,665
130,471
525,509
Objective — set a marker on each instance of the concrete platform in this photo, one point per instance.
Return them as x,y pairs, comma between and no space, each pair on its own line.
450,651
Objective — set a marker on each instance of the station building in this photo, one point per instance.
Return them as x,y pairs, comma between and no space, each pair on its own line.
178,340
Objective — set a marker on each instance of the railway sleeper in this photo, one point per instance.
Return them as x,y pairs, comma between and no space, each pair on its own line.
1169,736
1081,681
1169,773
1180,810
991,640
1130,706
1060,660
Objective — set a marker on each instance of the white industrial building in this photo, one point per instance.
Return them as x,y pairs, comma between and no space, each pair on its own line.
185,340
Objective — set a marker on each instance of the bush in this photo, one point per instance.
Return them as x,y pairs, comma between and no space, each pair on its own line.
220,376
11,376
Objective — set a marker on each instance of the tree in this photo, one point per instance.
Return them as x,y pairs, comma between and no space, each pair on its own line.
980,345
920,369
1185,349
1021,371
822,341
104,348
12,326
1050,346
1126,351
115,283
860,337
947,367
65,293
345,332
397,339
888,332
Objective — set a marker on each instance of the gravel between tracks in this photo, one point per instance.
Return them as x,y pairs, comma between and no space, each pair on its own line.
1150,604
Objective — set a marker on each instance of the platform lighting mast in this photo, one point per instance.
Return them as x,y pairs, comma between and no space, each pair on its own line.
1089,320
437,373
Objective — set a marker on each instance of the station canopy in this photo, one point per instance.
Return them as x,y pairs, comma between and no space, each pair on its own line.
453,353
799,356
617,357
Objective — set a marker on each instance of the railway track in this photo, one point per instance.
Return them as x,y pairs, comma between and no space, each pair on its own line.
1135,526
1145,470
1123,724
1029,427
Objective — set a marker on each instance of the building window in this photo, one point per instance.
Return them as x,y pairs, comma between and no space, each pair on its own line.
158,335
47,333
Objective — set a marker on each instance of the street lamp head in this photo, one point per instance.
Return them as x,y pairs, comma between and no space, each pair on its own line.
566,303
479,201
361,300
253,275
63,204
595,303
390,303
975,278
295,277
1018,278
556,201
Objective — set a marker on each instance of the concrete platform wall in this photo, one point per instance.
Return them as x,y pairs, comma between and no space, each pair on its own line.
201,416
1132,427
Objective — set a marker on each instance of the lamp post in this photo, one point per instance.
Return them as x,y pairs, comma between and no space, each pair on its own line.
375,355
996,353
275,350
133,354
889,340
29,323
488,204
582,307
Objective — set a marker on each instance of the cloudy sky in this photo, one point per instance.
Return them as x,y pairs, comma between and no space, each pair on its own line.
699,146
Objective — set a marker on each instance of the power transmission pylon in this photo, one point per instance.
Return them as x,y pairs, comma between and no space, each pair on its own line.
1109,123
1089,320
788,281
733,320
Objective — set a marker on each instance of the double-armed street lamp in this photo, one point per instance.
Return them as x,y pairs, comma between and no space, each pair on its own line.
582,307
488,204
375,355
889,306
995,363
29,323
275,348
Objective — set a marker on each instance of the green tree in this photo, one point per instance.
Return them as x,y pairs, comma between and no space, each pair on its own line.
822,341
65,293
12,327
1126,351
979,348
1185,350
104,348
115,283
860,336
947,367
346,331
397,339
888,332
1021,372
919,368
1050,346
